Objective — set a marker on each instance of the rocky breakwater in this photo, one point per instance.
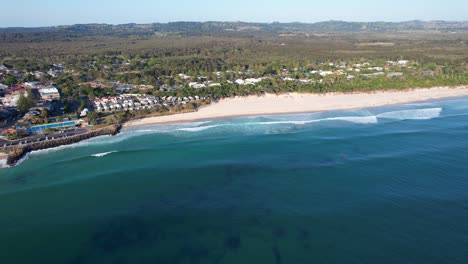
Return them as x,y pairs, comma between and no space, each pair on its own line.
18,152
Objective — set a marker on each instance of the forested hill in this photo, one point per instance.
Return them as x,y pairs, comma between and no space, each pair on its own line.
207,27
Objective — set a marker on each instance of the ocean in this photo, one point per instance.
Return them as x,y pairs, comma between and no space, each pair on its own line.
377,185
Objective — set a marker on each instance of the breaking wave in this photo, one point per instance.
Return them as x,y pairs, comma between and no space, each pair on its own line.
416,114
195,129
100,155
3,164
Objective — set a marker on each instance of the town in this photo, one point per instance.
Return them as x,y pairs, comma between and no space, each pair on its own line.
38,103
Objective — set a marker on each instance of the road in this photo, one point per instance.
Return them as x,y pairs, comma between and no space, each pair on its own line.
40,137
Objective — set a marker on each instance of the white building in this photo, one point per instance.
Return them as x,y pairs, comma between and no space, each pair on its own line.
184,76
325,73
253,80
392,74
84,112
239,82
403,62
197,85
50,93
31,85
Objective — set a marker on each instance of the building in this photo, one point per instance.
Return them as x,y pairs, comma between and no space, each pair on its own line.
123,87
13,95
253,80
197,85
50,93
32,85
84,112
403,62
325,73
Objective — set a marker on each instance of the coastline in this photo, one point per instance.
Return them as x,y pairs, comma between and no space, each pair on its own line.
16,153
292,103
268,104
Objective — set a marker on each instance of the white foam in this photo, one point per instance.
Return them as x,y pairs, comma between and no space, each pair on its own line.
416,114
352,119
356,119
283,122
99,155
196,129
58,148
3,164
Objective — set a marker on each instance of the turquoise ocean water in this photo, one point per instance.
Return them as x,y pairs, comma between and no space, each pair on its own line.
380,185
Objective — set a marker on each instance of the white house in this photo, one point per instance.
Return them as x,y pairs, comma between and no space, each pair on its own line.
84,112
403,62
197,85
325,73
253,80
239,82
31,85
184,76
49,93
375,69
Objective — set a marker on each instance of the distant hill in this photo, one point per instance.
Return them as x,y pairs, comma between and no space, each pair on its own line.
206,27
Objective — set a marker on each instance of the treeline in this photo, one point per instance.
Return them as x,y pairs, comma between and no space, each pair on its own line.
203,27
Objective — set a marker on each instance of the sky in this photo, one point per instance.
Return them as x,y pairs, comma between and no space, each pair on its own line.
35,13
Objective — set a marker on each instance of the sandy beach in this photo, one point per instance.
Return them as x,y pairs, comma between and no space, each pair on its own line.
301,103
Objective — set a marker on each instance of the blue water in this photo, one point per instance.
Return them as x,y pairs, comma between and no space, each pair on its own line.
380,185
36,129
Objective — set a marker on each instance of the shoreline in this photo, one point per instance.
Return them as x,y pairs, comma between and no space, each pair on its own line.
268,104
297,103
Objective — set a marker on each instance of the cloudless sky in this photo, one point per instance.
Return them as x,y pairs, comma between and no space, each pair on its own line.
34,13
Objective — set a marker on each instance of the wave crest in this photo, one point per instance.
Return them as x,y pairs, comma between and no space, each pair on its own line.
196,129
416,114
100,155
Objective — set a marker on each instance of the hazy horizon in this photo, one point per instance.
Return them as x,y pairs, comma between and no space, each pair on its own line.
56,13
239,21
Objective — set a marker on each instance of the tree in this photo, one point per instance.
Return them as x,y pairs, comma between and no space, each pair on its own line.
82,105
24,104
29,77
45,114
31,97
66,106
10,81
